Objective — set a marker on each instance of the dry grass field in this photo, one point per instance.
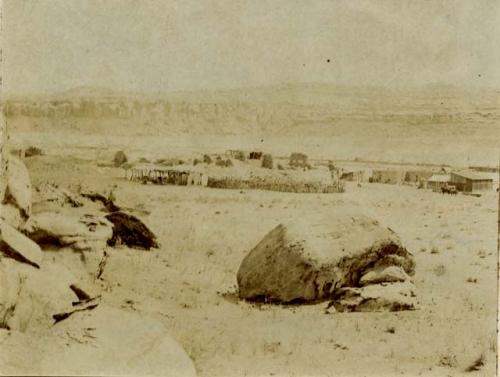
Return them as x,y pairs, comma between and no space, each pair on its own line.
189,283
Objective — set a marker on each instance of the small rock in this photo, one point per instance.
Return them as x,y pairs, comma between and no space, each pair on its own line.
376,297
389,274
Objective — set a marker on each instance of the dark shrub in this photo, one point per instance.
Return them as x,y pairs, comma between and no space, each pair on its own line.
33,151
267,161
119,159
240,155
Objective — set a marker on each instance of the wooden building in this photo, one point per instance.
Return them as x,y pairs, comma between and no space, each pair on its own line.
470,181
437,181
417,176
167,176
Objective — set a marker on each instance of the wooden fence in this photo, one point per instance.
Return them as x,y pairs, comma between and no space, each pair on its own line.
274,185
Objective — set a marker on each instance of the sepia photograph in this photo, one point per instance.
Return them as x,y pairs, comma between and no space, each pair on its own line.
238,188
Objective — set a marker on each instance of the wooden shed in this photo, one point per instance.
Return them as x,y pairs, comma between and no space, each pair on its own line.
469,181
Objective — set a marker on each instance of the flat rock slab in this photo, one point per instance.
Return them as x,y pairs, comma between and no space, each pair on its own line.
46,192
310,258
377,297
103,341
30,297
84,232
16,245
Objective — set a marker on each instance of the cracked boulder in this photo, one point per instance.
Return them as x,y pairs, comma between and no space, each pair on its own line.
85,232
312,258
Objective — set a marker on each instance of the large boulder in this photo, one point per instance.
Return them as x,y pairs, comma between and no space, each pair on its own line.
31,297
311,258
102,341
80,232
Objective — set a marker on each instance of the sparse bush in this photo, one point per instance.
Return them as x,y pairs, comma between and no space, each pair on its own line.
434,250
196,162
280,167
448,360
390,330
471,280
144,160
207,159
240,155
33,151
440,270
267,161
164,162
224,163
119,159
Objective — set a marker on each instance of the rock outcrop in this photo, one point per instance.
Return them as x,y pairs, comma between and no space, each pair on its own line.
311,259
102,341
16,245
85,232
15,202
31,297
58,196
18,190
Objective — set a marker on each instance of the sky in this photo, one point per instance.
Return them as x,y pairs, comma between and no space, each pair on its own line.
50,46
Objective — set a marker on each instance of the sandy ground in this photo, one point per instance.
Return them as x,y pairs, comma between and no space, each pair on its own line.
190,282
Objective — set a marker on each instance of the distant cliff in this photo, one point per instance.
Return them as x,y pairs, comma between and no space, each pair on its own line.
297,110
